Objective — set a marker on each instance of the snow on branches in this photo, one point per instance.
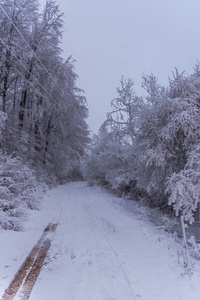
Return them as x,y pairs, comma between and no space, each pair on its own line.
20,190
184,187
163,158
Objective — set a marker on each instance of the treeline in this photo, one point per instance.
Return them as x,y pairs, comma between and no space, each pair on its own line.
43,133
149,147
42,111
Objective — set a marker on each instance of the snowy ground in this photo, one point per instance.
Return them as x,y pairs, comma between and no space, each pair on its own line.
99,251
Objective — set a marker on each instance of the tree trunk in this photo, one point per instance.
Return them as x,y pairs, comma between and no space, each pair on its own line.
5,79
24,98
47,140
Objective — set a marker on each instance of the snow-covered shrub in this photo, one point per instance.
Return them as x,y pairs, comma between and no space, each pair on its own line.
97,164
111,163
122,175
194,248
184,187
163,221
19,191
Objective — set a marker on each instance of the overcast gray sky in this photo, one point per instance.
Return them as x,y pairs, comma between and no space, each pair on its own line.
111,38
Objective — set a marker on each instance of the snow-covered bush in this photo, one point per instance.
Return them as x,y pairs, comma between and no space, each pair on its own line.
184,187
122,175
19,191
111,163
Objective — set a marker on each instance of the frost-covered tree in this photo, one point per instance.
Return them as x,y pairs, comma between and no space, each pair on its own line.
168,129
16,17
66,132
153,89
46,110
122,120
184,188
42,111
152,161
112,161
44,40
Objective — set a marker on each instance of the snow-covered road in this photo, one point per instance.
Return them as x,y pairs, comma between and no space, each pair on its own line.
99,251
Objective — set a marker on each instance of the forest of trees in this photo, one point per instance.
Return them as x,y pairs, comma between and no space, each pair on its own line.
42,111
150,147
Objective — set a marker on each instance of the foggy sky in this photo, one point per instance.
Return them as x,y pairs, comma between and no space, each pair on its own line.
111,38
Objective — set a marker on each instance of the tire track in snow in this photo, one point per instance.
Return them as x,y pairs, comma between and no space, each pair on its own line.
30,269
